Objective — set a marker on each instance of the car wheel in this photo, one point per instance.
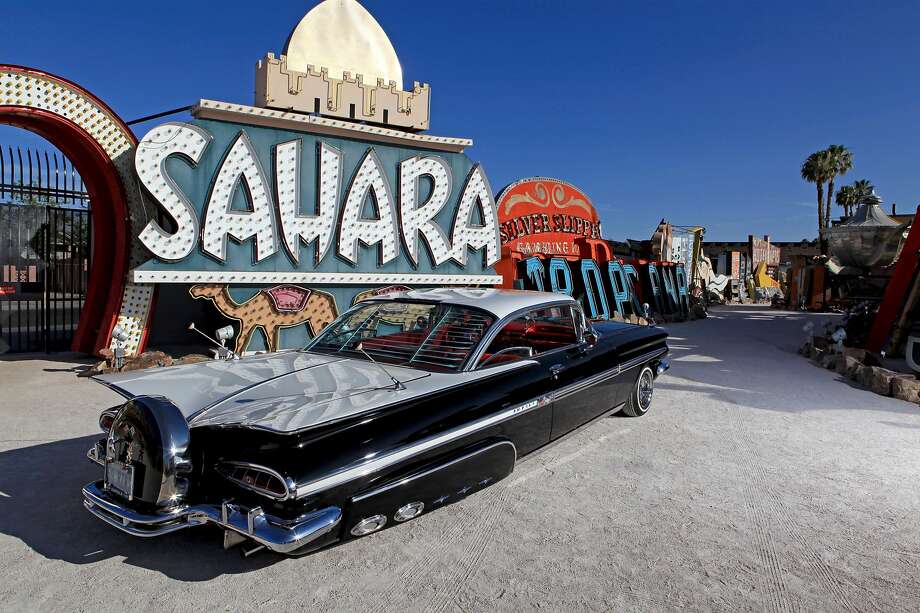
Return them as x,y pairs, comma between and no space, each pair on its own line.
640,399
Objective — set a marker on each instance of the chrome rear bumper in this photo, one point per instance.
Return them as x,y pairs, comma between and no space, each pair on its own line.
279,535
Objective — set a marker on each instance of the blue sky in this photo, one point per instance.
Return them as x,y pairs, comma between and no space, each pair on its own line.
699,112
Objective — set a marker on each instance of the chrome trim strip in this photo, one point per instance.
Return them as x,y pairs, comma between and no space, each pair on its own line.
361,470
272,532
476,378
355,472
573,388
425,473
607,374
643,359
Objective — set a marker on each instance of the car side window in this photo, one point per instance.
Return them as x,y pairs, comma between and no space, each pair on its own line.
536,332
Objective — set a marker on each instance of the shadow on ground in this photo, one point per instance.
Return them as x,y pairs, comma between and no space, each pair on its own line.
40,504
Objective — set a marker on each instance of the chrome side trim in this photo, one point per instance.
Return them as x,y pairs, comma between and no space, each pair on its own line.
578,386
643,359
425,473
274,533
354,472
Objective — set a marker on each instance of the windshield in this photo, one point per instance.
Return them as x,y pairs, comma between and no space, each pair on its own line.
429,336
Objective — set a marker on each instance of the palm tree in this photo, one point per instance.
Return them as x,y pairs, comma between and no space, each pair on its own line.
817,169
841,160
864,189
848,198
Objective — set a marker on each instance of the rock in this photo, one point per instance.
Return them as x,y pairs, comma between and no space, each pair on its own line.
853,352
148,359
906,388
880,380
193,358
97,369
848,366
863,375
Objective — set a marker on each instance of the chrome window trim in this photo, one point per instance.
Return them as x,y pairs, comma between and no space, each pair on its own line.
490,334
287,482
461,367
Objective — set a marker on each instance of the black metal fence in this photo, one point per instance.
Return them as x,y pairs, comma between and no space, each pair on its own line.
45,230
40,177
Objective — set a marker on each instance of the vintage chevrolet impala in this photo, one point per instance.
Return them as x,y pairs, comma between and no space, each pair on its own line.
403,405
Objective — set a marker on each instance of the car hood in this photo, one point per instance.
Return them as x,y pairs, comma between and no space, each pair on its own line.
283,391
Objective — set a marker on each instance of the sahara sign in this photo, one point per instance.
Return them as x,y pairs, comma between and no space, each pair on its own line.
255,204
546,216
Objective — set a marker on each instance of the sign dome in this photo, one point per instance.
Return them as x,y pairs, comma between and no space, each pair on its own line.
342,36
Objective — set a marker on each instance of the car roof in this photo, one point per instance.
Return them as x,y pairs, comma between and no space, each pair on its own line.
499,302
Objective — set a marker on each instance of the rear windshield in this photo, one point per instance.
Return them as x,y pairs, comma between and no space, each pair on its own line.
438,337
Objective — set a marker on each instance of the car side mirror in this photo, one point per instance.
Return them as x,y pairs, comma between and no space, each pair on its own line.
589,341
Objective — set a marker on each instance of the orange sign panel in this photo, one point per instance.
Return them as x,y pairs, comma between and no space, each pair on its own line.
545,216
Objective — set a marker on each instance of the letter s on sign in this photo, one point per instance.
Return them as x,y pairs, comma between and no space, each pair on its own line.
189,142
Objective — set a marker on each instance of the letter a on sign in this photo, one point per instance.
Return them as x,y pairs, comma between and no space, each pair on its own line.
150,163
467,234
240,166
418,221
369,179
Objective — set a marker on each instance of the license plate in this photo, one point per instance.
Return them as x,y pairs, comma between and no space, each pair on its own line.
120,478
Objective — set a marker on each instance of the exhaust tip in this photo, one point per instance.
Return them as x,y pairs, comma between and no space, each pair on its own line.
250,548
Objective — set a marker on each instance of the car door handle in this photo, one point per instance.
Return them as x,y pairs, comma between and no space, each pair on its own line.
555,369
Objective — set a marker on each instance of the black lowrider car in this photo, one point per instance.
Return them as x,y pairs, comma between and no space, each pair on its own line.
403,405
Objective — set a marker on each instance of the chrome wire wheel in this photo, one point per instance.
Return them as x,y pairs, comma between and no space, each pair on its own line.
645,389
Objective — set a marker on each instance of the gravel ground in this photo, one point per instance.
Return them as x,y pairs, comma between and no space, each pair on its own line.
757,482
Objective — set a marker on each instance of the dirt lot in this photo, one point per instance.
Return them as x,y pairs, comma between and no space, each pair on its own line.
758,482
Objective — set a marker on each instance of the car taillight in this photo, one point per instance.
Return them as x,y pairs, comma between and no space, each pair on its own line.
259,479
108,418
